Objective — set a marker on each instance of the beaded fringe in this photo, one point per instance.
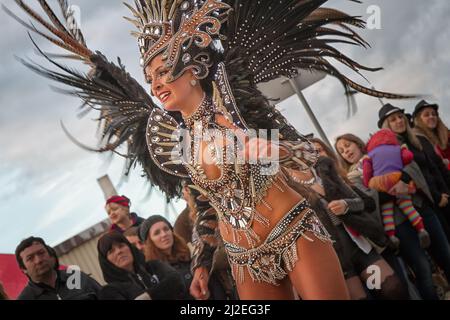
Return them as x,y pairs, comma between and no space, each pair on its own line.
289,258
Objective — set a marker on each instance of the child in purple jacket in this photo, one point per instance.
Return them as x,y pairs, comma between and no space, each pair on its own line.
382,169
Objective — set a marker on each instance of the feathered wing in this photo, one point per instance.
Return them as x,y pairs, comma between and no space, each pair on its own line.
269,39
123,104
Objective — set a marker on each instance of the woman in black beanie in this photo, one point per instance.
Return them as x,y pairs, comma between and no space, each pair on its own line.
162,243
129,277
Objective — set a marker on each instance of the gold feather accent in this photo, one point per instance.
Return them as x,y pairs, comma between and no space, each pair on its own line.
379,94
66,41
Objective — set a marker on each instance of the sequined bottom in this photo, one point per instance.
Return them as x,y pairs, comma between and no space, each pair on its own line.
272,260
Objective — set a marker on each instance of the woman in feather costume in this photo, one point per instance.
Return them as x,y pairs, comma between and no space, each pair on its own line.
203,60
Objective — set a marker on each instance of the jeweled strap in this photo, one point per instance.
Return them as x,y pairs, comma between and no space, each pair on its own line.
284,223
228,107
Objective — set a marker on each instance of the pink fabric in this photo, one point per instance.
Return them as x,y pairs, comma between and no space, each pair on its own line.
11,276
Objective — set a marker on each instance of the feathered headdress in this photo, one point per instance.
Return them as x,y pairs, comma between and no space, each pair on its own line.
124,105
259,40
262,39
181,30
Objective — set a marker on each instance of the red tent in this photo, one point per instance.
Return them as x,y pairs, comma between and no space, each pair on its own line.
11,277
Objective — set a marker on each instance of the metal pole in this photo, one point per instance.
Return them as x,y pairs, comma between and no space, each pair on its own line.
352,103
310,113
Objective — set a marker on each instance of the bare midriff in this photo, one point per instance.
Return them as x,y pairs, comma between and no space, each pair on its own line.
281,203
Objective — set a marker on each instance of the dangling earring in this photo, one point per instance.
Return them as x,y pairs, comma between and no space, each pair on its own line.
193,82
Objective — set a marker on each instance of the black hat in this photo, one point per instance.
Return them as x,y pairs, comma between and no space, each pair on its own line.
422,105
386,111
145,226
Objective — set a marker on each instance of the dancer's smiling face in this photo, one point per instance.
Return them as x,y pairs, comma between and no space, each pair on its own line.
183,95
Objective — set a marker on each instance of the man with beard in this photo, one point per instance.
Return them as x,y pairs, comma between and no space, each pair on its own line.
46,282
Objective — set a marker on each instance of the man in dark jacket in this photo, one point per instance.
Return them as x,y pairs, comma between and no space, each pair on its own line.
40,264
118,209
129,277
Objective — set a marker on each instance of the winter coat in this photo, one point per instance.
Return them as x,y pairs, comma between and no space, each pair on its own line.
443,153
134,218
184,270
436,175
158,279
361,216
88,290
219,284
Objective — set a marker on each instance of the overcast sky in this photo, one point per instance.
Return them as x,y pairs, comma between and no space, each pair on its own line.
48,186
